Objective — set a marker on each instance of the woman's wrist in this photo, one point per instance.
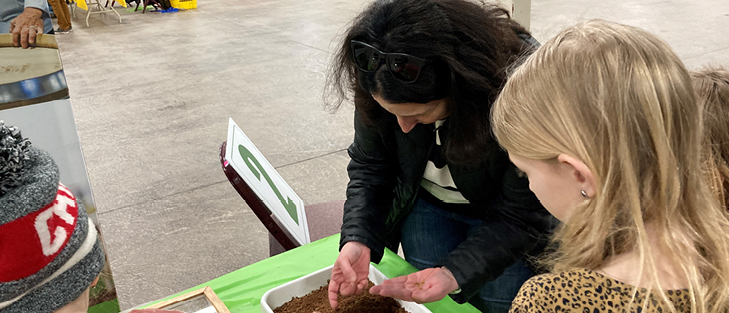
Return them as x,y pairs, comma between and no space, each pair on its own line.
454,290
357,244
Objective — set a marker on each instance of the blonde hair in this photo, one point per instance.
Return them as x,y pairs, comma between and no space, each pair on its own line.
712,93
618,98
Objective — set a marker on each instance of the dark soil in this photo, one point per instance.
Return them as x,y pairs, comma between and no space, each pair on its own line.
318,301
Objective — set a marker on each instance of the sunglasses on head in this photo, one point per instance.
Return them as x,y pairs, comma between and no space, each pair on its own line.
402,66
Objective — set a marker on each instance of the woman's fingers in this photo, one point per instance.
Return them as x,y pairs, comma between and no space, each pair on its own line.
333,293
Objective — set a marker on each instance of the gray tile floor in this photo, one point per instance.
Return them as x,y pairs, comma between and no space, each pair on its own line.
152,97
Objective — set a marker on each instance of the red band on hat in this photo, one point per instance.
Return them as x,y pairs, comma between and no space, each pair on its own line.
31,242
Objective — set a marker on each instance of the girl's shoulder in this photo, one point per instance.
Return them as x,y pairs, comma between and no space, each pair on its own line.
582,289
552,292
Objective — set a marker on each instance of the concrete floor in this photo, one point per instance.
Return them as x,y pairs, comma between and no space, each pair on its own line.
152,97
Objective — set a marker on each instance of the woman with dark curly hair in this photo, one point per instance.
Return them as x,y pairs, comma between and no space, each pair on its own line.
425,170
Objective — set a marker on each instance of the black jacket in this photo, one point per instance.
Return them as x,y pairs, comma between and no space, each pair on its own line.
385,174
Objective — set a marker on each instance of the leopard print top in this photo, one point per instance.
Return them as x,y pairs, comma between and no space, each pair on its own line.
582,290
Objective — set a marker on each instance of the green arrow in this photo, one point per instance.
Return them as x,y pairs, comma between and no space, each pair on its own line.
258,170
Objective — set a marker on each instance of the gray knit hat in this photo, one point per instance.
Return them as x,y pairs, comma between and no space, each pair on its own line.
49,250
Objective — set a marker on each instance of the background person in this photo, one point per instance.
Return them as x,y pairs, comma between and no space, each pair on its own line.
424,169
63,17
604,122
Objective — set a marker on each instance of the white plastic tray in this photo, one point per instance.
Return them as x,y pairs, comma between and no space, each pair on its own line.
300,287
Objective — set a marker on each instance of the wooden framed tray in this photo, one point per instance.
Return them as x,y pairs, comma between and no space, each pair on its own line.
203,300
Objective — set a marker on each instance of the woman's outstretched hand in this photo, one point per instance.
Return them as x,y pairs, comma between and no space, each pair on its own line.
350,271
428,285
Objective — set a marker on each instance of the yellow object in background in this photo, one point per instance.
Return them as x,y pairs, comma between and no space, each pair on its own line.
184,4
82,4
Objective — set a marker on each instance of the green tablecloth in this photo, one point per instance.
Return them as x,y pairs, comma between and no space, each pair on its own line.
241,290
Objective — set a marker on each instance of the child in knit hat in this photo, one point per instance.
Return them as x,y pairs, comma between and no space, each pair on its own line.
49,251
711,86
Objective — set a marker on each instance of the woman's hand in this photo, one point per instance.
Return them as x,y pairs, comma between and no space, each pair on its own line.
350,271
428,285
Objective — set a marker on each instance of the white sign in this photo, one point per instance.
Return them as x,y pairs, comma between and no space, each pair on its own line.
267,184
521,10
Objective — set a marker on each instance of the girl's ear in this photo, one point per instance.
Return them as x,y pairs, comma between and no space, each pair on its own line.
581,173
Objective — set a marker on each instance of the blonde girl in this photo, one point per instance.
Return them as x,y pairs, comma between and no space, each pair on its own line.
603,121
712,93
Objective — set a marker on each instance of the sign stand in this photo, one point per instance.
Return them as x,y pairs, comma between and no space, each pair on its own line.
260,209
272,200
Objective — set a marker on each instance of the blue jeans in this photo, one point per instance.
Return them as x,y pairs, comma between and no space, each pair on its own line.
429,234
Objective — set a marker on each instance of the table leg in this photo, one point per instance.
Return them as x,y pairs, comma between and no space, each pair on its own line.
88,13
117,14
